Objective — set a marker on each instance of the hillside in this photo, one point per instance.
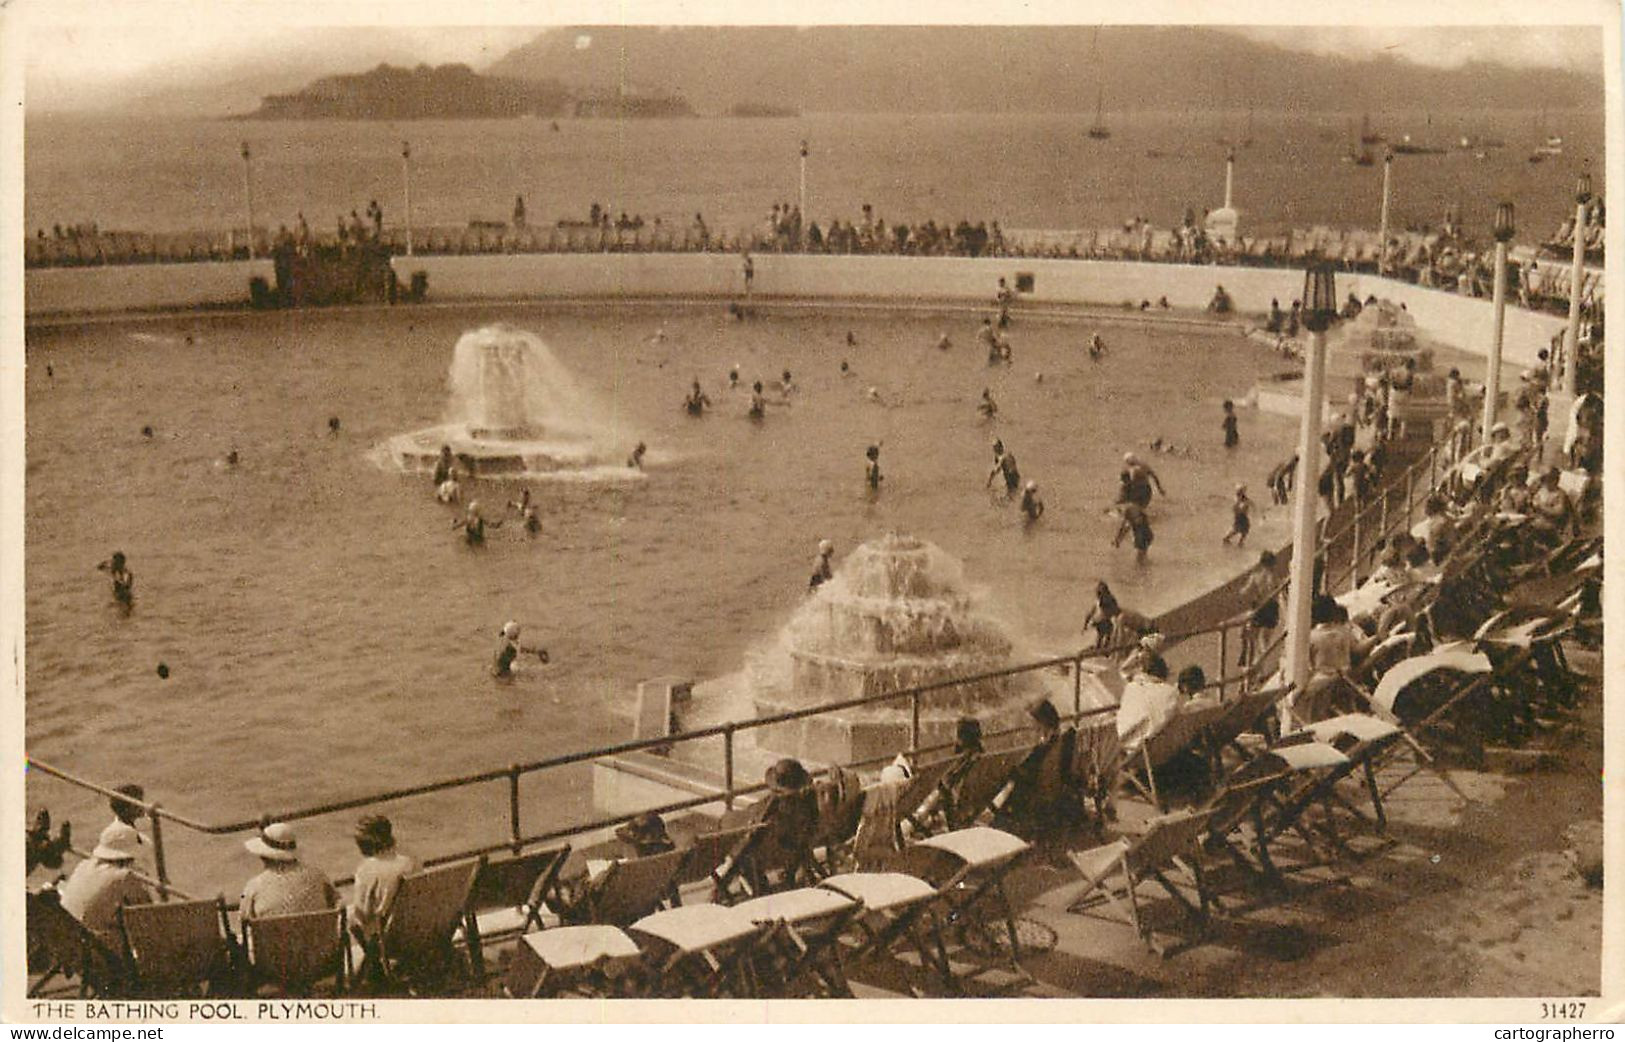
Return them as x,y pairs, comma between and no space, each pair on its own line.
1014,68
426,92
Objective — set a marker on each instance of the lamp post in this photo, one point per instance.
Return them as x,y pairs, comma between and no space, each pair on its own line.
406,181
1229,175
1503,230
1319,308
1571,344
1382,223
803,198
248,195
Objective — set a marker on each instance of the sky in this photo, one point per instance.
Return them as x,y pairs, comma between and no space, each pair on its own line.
84,56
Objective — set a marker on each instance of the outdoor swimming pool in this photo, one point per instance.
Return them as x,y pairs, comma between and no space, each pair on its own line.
328,634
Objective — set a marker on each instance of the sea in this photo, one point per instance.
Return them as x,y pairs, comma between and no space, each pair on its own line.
1024,171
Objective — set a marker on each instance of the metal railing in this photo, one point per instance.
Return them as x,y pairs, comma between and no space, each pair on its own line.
1245,677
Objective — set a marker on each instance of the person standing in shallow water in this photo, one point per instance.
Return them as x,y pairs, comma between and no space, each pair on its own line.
473,525
504,664
1138,524
443,466
758,404
1032,508
1232,437
123,580
872,475
1241,519
1004,463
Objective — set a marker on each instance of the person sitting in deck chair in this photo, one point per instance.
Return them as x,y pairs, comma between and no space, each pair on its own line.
104,881
285,885
1149,702
1030,797
377,877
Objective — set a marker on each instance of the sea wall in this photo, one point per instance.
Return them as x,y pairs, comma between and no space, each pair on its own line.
139,287
1465,322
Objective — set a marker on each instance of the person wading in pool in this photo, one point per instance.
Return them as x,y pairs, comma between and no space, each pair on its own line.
1138,480
443,467
473,525
1004,462
988,407
697,402
529,516
504,664
1032,508
871,474
123,580
1135,522
1241,518
758,404
1097,348
635,461
1232,437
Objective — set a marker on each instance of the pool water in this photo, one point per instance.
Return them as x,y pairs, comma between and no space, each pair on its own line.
328,634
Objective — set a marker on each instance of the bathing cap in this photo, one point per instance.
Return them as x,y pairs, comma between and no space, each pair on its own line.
1032,486
1130,458
825,546
510,629
1241,488
473,506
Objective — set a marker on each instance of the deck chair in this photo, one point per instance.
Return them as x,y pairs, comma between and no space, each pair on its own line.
60,945
179,947
1047,797
898,915
911,801
1366,740
770,858
1245,714
698,951
295,952
1184,731
417,944
1248,796
982,784
1170,841
801,955
707,853
509,896
1097,756
589,961
1419,691
1314,770
625,891
968,867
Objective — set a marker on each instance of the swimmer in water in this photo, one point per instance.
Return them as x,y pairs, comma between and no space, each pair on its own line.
786,383
443,466
449,491
332,425
1097,348
1138,480
822,572
988,407
1135,522
635,461
1241,518
231,458
758,404
1232,437
505,665
1031,506
846,370
733,378
123,580
696,403
1004,462
872,473
146,432
529,516
990,340
851,339
873,394
943,342
473,525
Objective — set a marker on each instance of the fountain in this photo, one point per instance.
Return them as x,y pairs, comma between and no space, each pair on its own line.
897,614
514,410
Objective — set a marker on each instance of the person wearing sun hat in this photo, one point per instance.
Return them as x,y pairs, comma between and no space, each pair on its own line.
104,881
285,885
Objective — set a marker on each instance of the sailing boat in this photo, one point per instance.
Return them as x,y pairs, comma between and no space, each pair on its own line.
1099,131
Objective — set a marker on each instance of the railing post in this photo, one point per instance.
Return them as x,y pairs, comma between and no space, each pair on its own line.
1433,465
1410,491
513,807
157,817
1382,518
728,766
914,722
1224,657
1077,686
1354,553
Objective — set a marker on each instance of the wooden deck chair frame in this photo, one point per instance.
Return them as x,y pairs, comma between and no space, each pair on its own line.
800,956
706,854
718,969
1251,798
206,952
627,890
416,947
1095,774
527,883
910,920
912,800
1186,730
748,867
1239,716
1169,841
73,950
300,934
965,887
1366,751
1282,808
984,780
614,971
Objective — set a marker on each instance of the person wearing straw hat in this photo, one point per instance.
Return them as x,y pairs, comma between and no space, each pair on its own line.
285,885
377,877
104,881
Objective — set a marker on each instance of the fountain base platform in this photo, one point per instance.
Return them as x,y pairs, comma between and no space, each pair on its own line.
482,452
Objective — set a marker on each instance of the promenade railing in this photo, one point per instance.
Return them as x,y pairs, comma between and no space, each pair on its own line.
1353,542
